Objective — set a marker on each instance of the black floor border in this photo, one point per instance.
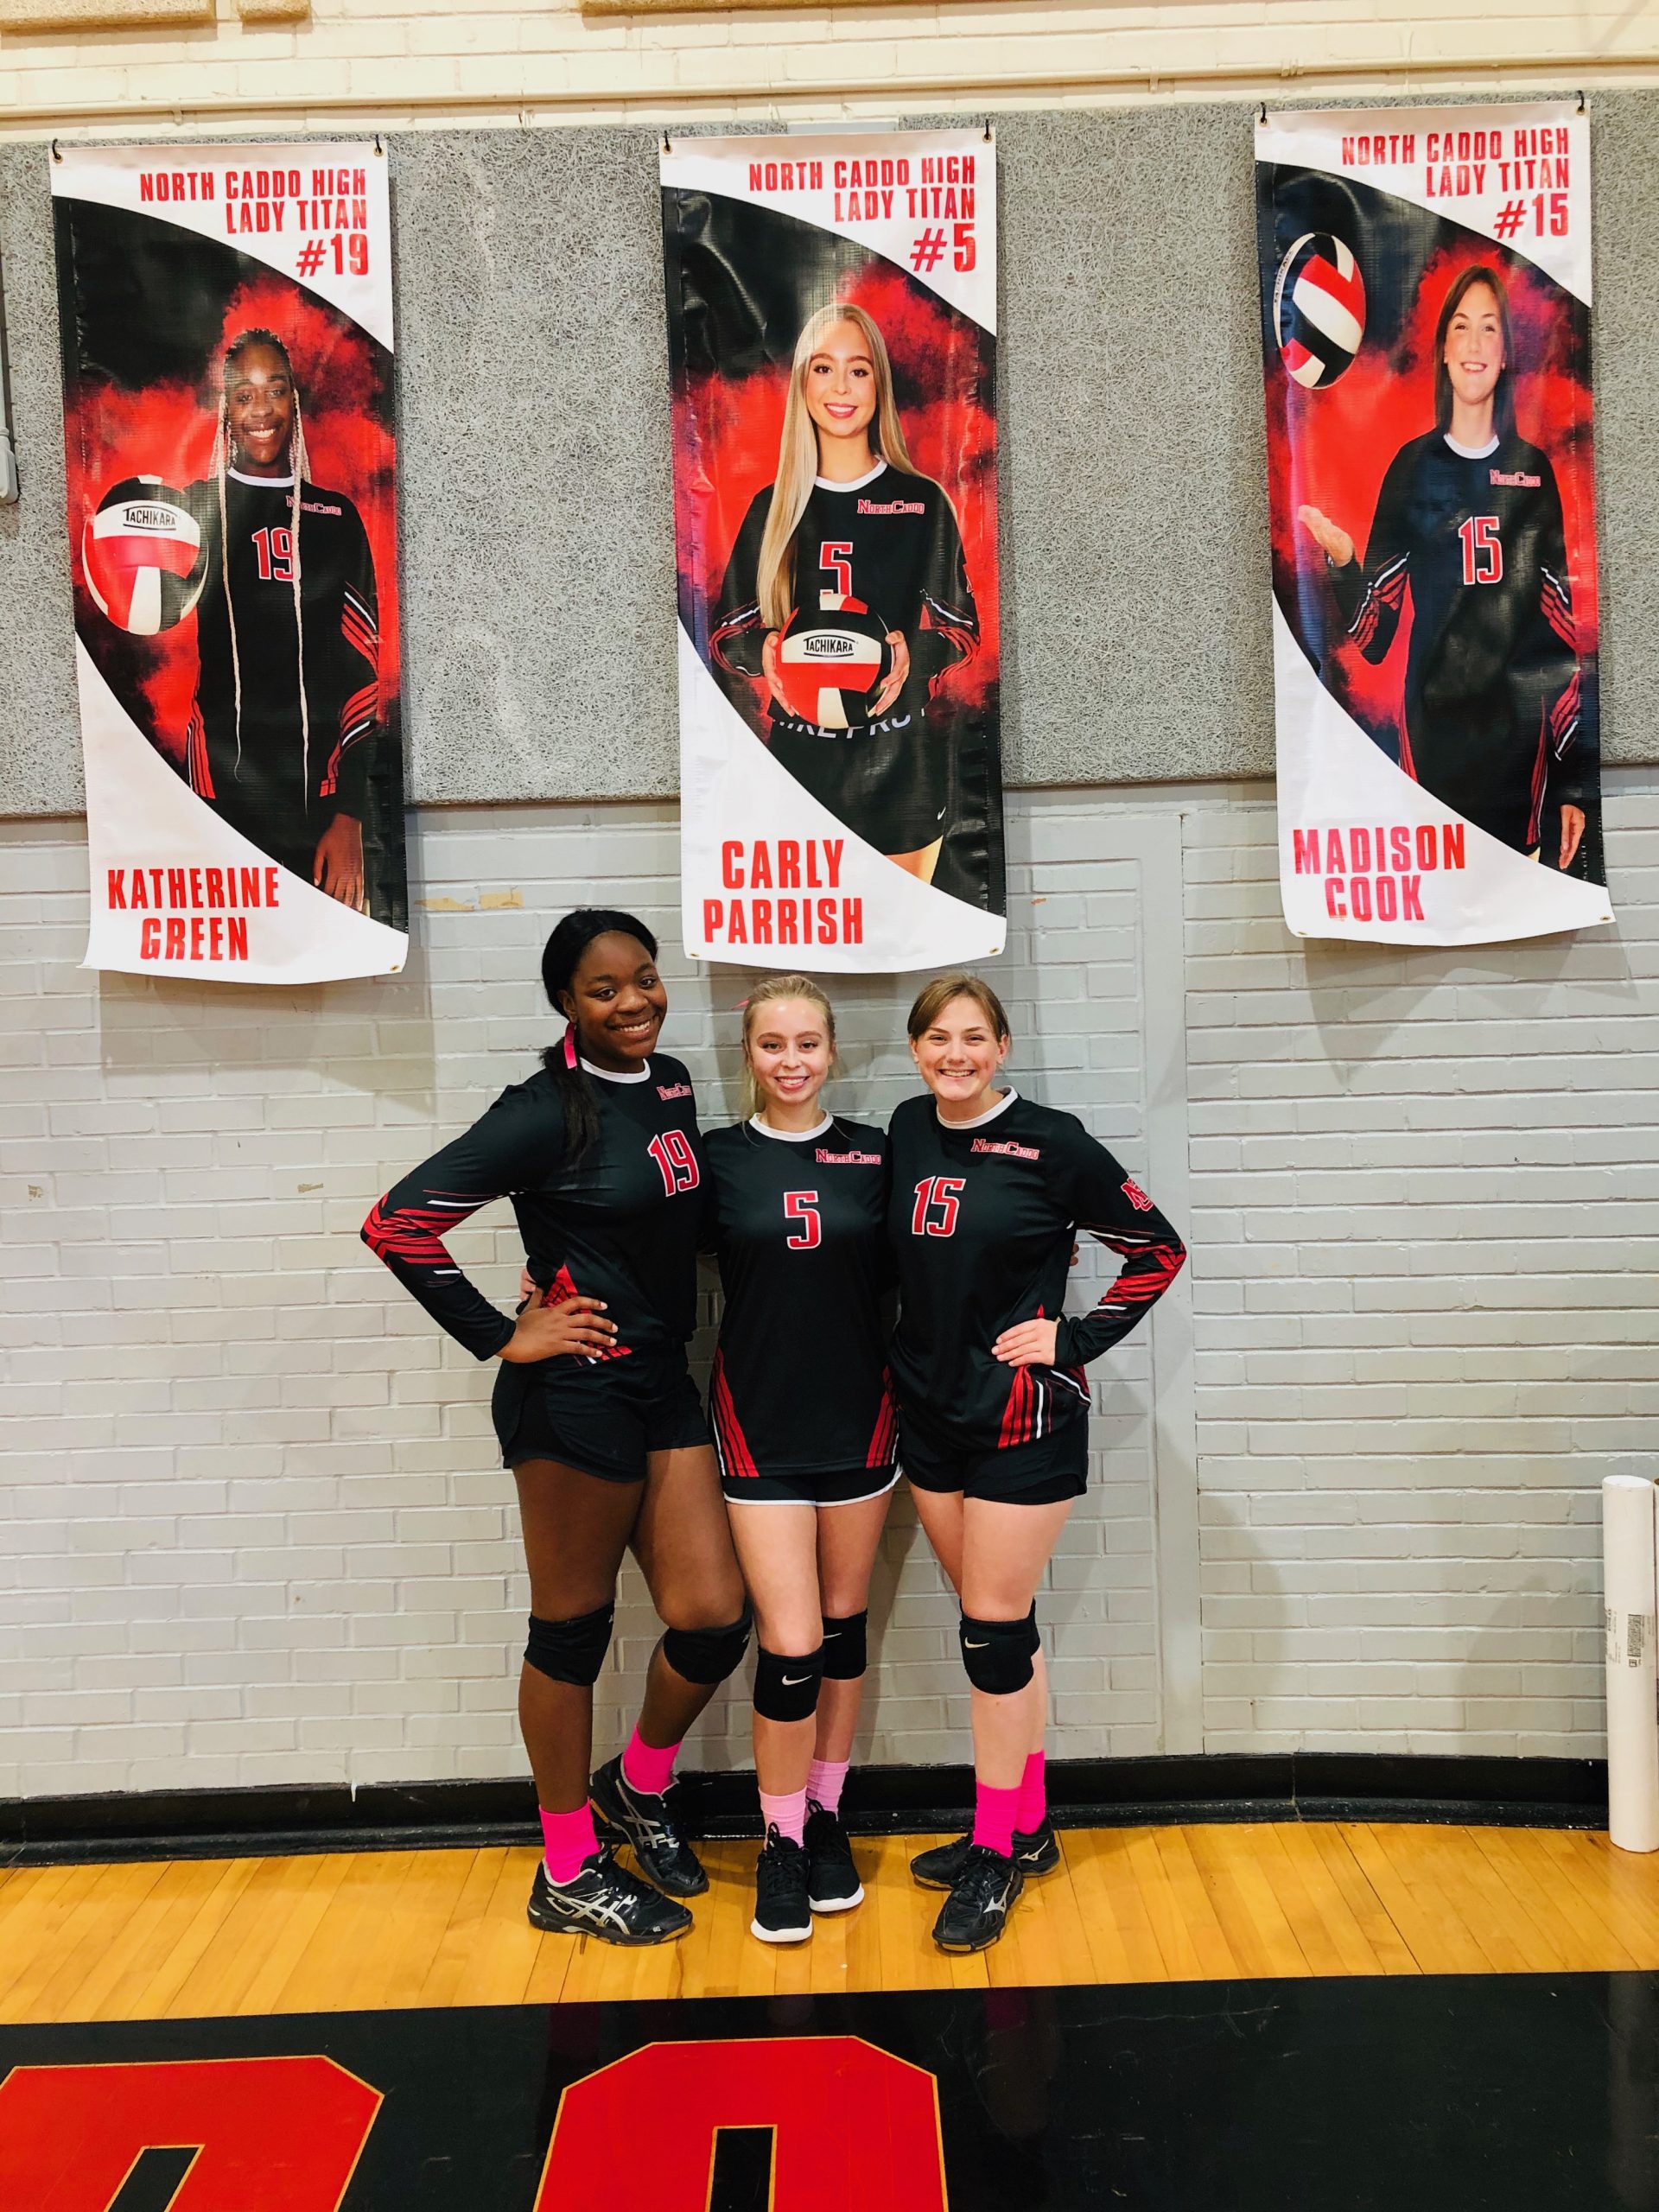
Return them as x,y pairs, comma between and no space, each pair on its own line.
1544,1793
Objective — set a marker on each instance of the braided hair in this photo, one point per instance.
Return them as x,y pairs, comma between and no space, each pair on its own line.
561,956
299,464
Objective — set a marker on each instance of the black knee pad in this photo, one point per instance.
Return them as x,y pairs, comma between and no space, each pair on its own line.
844,1655
1034,1635
787,1689
997,1654
570,1651
707,1655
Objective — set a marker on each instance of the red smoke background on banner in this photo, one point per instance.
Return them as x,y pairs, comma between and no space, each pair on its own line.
1331,449
727,430
168,431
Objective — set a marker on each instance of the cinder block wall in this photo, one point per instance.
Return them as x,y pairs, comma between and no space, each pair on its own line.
251,1529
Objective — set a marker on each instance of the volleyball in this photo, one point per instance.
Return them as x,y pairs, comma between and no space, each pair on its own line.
142,556
1318,309
833,660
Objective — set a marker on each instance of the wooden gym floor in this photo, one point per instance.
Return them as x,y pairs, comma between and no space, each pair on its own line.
349,1931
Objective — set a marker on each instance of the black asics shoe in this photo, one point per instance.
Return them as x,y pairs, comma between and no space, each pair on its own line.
982,1897
832,1882
782,1914
605,1900
1036,1853
626,1815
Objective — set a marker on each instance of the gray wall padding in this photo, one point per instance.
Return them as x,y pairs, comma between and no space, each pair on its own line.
538,569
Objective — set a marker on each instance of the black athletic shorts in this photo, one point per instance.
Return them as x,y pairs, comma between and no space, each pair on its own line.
891,786
839,1486
1038,1473
602,1417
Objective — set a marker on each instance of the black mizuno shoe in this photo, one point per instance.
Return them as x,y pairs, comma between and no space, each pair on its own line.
832,1882
782,1914
626,1815
976,1911
605,1900
1036,1853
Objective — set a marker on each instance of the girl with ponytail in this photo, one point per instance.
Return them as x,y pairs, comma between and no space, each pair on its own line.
595,1411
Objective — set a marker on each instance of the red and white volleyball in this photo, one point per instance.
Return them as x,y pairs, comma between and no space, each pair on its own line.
832,661
1318,309
142,556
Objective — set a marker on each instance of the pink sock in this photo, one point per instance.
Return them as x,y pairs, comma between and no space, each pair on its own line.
567,1840
824,1779
647,1769
1033,1796
786,1814
994,1817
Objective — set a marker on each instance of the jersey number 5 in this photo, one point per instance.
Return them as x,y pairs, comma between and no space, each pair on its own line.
835,559
678,1163
1483,550
802,1208
935,1206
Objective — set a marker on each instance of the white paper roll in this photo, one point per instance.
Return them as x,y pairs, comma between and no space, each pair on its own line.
1627,1543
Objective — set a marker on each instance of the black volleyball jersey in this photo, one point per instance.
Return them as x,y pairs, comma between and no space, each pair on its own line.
274,769
800,1381
981,1219
620,1224
1492,688
890,540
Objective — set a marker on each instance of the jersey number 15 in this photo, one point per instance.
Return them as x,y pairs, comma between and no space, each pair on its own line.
935,1213
1483,550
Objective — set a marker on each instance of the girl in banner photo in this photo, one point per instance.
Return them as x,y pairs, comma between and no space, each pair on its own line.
1469,520
849,518
287,706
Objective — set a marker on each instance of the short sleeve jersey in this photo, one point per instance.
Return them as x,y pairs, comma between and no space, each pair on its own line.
800,1378
981,1218
620,1225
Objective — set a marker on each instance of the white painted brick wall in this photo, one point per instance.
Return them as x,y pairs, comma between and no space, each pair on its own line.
1424,1214
254,1529
432,61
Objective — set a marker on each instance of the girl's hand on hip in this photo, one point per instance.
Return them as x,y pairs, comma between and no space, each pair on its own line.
1028,1344
574,1325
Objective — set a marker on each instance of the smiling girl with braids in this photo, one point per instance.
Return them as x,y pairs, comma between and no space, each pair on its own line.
286,704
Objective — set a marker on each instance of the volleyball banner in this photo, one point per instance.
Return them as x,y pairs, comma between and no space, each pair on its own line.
832,346
231,462
1425,282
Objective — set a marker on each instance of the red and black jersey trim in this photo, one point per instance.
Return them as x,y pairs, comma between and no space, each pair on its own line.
1385,593
411,1234
197,764
884,1437
731,1447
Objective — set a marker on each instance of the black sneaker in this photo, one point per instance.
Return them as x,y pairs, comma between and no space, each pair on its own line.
628,1815
782,1914
1036,1853
605,1900
832,1882
982,1897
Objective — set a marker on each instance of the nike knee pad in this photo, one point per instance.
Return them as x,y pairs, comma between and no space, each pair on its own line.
997,1654
844,1655
570,1651
787,1689
707,1655
1034,1634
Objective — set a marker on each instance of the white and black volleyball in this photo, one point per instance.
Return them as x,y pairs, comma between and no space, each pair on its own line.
832,660
1318,309
142,555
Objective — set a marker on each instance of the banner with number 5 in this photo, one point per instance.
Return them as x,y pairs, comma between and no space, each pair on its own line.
228,358
832,345
1424,276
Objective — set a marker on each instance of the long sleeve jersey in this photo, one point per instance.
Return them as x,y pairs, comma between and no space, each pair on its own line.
981,1220
620,1224
890,540
800,1382
267,770
1492,686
